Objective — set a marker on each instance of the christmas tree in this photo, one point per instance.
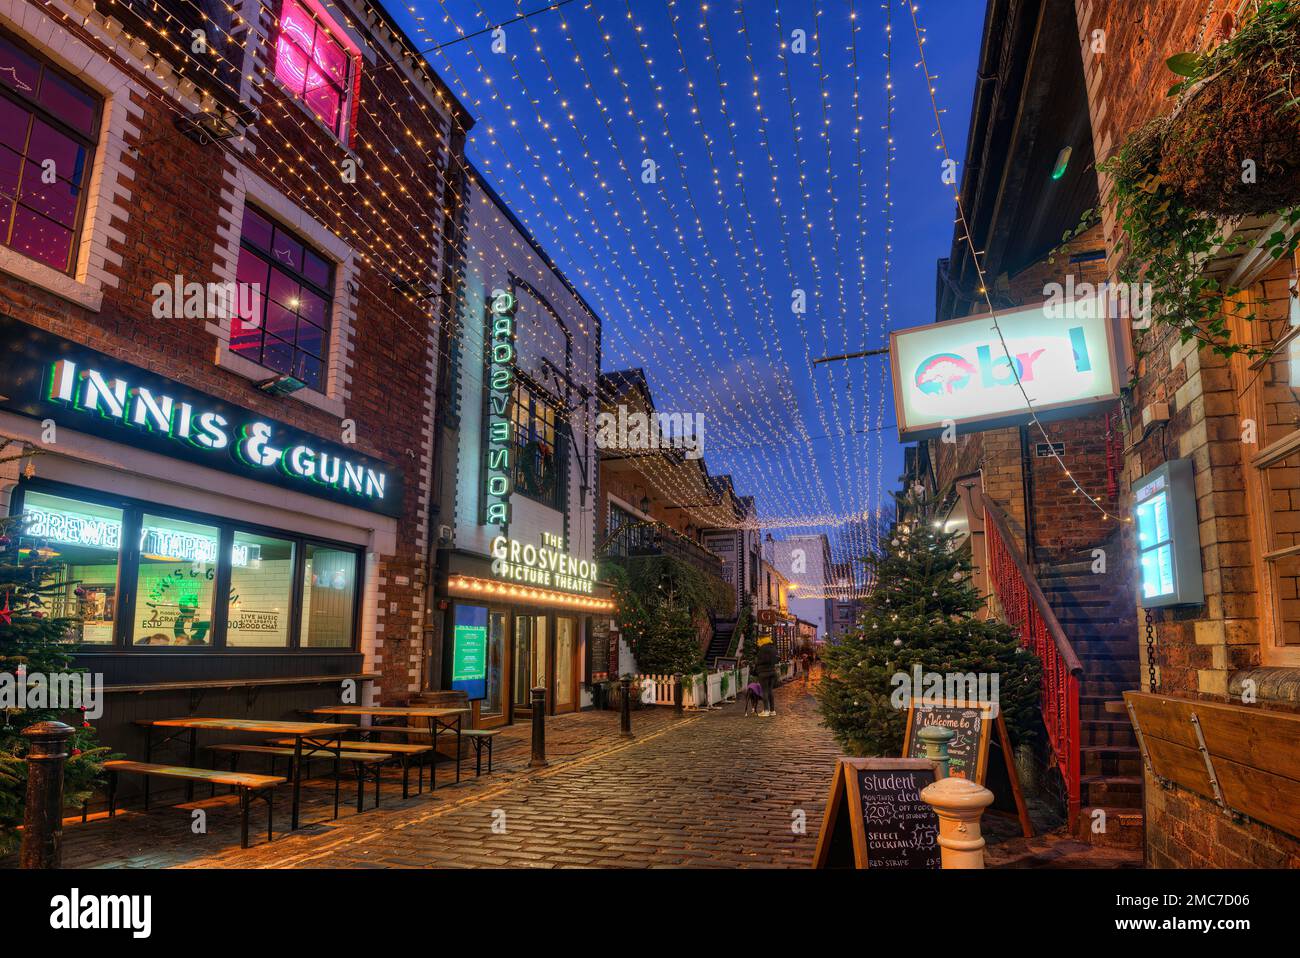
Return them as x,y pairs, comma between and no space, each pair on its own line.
920,612
34,643
662,602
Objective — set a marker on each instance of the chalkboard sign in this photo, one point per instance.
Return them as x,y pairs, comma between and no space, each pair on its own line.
875,817
968,752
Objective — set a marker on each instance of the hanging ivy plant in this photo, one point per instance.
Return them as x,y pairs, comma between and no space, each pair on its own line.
1165,177
1232,144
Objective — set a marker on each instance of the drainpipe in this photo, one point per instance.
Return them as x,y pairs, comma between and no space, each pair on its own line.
1027,481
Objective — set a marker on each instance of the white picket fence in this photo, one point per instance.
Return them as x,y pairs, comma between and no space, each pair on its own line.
701,690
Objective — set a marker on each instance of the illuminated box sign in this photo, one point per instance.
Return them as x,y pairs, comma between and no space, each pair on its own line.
469,651
48,377
1169,544
958,373
547,566
499,381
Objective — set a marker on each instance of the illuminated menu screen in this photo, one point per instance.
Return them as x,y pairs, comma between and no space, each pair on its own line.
1154,547
1168,541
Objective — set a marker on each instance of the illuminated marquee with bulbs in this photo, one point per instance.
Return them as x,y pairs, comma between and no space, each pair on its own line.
547,565
51,378
469,587
499,378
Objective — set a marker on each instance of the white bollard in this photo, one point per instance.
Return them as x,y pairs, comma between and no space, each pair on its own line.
959,803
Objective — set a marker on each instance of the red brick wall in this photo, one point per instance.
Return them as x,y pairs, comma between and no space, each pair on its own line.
172,224
1198,649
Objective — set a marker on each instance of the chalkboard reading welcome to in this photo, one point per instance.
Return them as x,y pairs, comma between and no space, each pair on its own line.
875,817
968,751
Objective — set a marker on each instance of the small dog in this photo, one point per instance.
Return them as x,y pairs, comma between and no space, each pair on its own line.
754,698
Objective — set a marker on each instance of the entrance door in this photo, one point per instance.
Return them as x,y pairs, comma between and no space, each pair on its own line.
529,667
492,710
566,648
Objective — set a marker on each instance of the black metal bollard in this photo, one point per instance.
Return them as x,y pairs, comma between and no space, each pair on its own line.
43,817
625,706
678,693
539,729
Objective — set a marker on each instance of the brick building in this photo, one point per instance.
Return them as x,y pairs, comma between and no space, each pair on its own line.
221,329
1232,660
1062,84
657,498
1012,491
518,471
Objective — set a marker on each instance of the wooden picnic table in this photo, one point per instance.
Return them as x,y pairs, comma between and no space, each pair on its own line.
440,719
316,735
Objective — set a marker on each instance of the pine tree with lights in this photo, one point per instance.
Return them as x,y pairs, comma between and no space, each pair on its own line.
35,642
921,611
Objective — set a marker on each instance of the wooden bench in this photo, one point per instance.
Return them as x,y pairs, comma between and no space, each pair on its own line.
261,786
478,737
365,764
395,750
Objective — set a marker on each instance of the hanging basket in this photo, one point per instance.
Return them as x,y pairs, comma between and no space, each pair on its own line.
1236,116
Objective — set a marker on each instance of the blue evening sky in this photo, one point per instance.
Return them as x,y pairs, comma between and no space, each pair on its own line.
696,274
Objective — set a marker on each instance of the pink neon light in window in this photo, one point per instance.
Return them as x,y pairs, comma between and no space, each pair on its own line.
312,65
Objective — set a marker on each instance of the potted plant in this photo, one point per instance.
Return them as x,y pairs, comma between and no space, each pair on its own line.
1231,148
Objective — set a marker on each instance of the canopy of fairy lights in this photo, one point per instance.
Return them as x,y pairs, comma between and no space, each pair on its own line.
718,181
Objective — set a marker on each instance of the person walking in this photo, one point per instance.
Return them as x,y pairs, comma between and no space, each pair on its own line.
765,672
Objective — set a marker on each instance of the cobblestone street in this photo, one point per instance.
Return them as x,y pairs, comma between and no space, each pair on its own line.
712,789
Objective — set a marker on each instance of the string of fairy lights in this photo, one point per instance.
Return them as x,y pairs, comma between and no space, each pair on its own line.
454,74
709,294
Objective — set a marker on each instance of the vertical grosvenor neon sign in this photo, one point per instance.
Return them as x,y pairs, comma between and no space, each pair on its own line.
499,366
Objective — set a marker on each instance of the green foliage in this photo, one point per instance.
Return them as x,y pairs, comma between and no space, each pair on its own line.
660,601
1271,37
37,642
746,632
920,612
1166,237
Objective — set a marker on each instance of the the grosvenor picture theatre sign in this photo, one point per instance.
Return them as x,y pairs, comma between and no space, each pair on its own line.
51,378
959,374
547,566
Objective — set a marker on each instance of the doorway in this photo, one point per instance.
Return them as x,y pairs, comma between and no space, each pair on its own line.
565,685
529,665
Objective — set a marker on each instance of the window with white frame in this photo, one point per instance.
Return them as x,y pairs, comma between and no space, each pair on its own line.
287,327
49,124
1271,418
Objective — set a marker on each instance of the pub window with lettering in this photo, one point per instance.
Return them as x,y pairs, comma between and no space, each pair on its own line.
284,321
49,124
139,576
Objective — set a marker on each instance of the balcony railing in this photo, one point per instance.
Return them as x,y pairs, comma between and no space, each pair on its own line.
1020,603
638,540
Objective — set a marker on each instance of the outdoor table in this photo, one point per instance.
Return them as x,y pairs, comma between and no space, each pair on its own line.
317,735
434,713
